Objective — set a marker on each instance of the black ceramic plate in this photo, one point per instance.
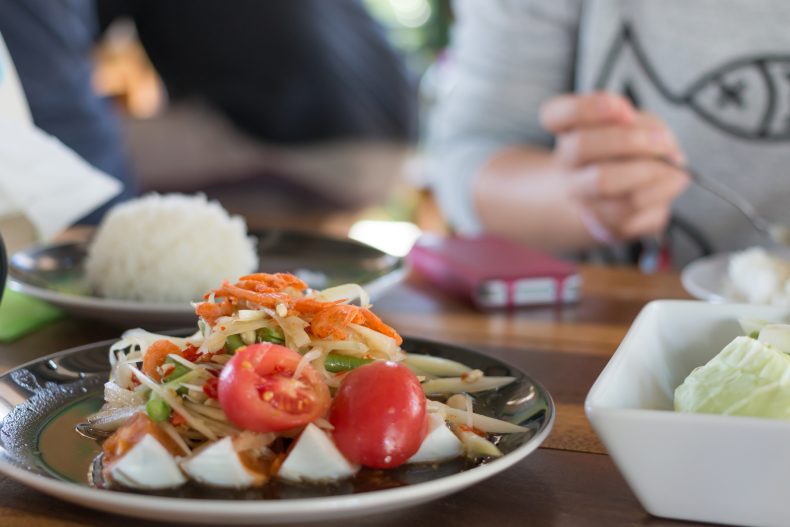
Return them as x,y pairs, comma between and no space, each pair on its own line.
41,402
55,273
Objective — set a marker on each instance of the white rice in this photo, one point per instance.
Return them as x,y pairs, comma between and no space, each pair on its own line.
758,277
167,249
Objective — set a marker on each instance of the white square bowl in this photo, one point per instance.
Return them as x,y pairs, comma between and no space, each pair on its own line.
712,468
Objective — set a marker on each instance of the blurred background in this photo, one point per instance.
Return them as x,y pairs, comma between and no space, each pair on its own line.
185,131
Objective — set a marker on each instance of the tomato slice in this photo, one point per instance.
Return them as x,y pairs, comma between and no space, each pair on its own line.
258,392
378,415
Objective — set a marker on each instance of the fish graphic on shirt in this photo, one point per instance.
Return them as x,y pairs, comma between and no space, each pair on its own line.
748,97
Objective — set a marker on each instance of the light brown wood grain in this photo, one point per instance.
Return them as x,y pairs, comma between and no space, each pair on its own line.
628,283
508,331
572,431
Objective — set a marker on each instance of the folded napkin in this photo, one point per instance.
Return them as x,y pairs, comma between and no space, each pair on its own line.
45,181
21,314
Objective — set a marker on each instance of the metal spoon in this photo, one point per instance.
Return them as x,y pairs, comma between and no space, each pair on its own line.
777,233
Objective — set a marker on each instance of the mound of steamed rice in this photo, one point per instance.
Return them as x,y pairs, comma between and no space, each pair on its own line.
758,277
168,249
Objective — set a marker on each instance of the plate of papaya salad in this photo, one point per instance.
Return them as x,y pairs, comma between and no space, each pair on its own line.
284,404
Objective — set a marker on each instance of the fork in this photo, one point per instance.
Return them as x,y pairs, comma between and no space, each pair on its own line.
777,233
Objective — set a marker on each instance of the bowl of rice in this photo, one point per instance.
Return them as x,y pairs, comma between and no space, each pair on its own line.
756,275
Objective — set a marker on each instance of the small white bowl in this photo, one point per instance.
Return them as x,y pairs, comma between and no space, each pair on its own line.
712,468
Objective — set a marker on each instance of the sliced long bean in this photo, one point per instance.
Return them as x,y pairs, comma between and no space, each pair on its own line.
273,335
157,409
234,342
337,363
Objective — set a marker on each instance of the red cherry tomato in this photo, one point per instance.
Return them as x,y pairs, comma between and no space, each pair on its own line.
257,390
379,415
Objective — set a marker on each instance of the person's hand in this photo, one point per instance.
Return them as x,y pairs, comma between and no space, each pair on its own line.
614,154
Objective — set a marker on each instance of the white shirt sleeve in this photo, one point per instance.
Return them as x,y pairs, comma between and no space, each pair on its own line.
506,58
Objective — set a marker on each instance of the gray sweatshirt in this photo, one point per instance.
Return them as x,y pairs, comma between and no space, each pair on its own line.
716,71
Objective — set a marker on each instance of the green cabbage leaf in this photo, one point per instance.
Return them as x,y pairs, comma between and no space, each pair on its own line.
747,377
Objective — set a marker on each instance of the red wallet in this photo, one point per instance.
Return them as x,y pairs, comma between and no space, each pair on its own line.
493,272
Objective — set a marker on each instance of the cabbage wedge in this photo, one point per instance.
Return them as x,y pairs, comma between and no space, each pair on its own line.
747,378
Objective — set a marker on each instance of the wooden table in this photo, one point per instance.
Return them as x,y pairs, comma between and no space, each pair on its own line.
569,481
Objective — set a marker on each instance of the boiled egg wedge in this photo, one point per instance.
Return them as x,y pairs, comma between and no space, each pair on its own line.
440,444
140,454
147,465
315,458
220,464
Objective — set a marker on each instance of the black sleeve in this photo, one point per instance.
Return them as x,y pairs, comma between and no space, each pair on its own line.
290,71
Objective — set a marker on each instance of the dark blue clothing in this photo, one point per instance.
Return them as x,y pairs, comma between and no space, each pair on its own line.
284,71
50,42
